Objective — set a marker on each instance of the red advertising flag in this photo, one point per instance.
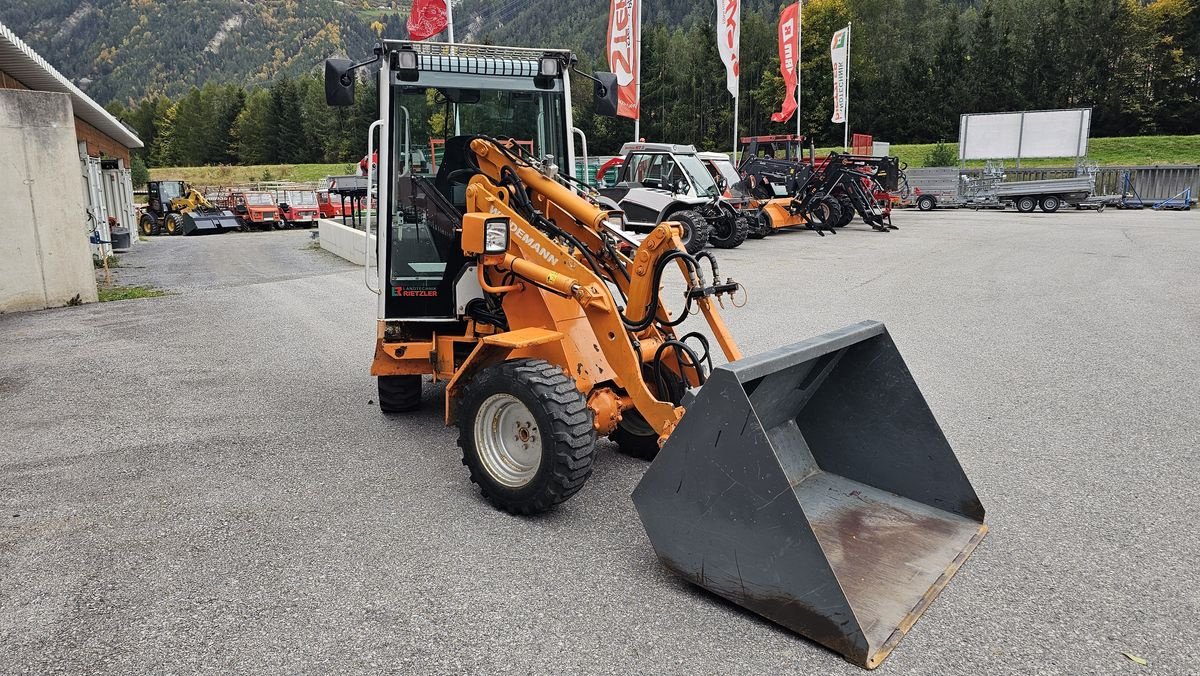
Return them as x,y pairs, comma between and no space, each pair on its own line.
426,19
789,26
624,51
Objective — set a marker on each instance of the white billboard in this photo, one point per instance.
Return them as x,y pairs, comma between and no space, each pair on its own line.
1029,134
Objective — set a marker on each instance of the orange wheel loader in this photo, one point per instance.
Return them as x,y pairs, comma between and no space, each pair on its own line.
809,484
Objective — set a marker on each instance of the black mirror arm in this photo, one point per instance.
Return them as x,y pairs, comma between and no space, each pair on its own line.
346,78
603,91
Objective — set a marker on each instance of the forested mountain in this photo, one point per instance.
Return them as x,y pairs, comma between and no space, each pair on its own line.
124,49
235,80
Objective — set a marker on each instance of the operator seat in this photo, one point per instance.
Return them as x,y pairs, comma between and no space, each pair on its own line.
455,159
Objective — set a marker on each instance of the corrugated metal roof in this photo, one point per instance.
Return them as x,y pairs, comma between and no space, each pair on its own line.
20,61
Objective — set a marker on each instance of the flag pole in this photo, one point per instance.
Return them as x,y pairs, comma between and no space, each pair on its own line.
799,62
450,36
735,121
846,95
637,78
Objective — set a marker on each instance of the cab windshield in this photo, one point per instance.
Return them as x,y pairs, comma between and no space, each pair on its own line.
705,185
259,199
432,123
726,171
300,198
535,119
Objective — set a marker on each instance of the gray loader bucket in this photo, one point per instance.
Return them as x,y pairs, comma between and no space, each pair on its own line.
209,222
812,485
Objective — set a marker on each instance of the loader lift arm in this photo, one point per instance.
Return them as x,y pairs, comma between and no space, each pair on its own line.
547,216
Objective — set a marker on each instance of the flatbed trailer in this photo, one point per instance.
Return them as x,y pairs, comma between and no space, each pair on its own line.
951,189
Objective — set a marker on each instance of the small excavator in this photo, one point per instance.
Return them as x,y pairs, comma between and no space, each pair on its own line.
809,484
178,208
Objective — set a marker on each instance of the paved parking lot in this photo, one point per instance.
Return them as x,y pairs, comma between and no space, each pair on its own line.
202,482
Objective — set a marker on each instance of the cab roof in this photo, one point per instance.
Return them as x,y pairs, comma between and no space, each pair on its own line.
673,148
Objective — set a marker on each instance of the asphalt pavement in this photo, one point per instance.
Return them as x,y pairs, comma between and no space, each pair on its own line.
203,482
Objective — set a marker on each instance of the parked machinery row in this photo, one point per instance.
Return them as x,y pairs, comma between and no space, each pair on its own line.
179,208
721,204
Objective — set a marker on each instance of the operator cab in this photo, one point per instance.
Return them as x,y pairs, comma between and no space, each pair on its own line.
160,194
434,99
655,176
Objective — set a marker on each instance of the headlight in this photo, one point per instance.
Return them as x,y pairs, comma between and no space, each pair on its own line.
495,236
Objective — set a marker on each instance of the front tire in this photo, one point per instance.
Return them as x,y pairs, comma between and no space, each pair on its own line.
635,437
824,213
926,203
760,226
174,224
1051,204
696,229
527,435
399,394
847,216
1026,205
730,233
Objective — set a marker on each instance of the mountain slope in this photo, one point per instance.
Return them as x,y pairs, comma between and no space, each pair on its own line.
123,49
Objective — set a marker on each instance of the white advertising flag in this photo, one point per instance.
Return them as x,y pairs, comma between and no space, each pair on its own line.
729,36
839,52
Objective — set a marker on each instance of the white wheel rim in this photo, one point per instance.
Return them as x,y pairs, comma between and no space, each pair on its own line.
507,440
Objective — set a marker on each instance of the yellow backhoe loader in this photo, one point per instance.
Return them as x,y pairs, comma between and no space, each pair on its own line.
809,484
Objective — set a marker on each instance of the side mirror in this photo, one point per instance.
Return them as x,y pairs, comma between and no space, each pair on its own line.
605,89
680,186
339,82
722,184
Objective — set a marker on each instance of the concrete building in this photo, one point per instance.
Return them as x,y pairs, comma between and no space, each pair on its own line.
64,171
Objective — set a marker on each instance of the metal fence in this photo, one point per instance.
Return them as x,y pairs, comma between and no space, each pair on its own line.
1151,182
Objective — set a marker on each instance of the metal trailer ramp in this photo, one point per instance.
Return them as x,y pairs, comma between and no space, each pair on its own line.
813,486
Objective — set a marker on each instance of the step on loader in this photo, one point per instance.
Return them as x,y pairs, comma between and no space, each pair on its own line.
809,484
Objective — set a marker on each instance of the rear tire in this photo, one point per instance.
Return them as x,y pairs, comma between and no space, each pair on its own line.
926,203
527,435
174,224
1050,204
730,232
1026,205
147,225
696,229
399,394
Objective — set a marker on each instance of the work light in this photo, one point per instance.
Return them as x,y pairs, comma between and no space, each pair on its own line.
549,66
549,69
495,236
406,64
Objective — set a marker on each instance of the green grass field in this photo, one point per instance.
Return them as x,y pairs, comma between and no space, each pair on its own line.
1106,151
232,175
1130,150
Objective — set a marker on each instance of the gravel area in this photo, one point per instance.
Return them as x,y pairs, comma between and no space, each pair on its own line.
202,482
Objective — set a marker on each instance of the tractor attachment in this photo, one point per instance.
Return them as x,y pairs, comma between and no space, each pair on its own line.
206,221
813,486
